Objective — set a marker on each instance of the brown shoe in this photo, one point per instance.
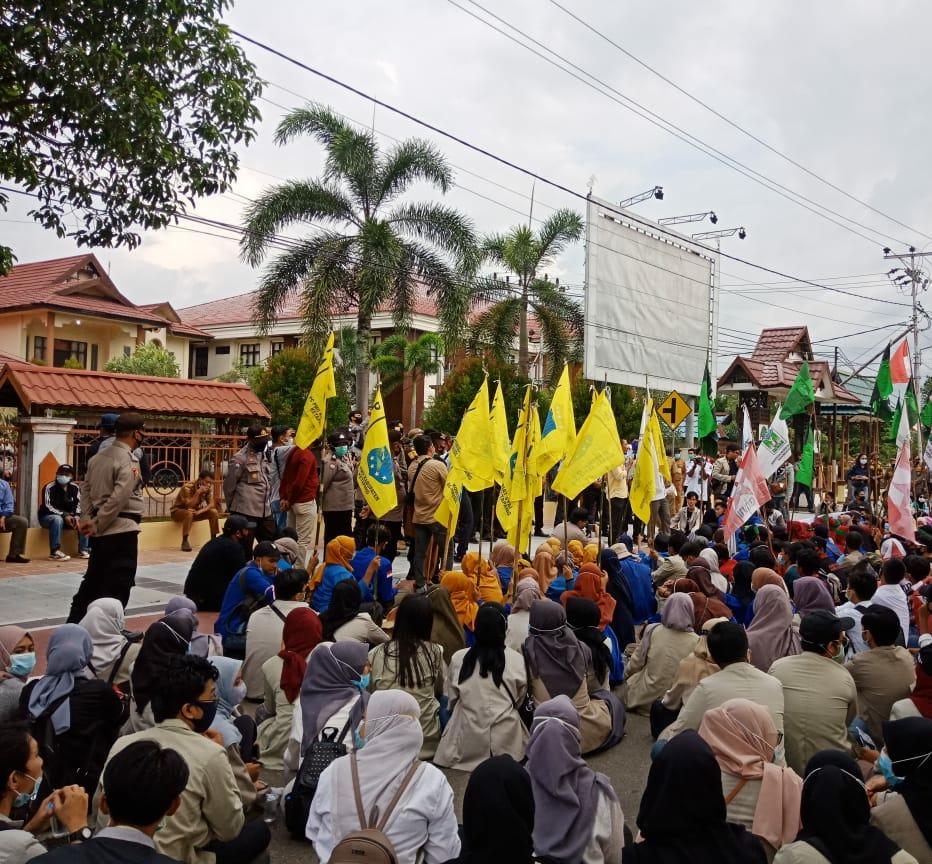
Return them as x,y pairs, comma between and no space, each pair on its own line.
17,559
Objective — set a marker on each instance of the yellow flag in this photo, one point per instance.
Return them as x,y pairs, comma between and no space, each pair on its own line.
315,409
376,472
558,437
644,482
448,513
597,450
514,485
519,534
499,443
471,452
659,449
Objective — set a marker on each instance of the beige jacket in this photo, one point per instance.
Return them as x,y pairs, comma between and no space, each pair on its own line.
618,482
276,728
263,640
247,486
428,490
892,816
337,484
801,852
113,485
211,808
649,674
882,676
361,629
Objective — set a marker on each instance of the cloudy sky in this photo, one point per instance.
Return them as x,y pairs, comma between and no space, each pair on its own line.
845,95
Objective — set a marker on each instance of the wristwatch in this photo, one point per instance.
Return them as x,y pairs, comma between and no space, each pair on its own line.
80,835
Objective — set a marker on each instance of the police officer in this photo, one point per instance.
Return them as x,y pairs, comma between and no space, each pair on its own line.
113,490
247,487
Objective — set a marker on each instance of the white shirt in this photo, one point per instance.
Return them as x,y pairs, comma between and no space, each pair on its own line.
856,642
894,597
699,482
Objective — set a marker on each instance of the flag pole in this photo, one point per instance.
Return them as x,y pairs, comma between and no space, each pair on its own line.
323,447
482,523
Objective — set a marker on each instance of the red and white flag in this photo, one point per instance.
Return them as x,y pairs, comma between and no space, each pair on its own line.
749,494
899,364
899,496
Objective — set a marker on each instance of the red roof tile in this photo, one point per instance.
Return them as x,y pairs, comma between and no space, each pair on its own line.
773,375
44,387
777,343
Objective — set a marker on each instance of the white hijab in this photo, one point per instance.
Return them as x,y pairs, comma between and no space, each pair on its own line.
104,621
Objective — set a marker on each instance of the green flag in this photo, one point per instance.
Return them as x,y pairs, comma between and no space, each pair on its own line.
804,470
926,415
883,387
707,427
801,395
912,404
895,422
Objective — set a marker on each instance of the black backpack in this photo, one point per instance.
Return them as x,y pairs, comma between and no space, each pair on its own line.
319,754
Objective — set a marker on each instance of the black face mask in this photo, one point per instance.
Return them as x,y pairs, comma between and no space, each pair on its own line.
139,438
259,443
209,710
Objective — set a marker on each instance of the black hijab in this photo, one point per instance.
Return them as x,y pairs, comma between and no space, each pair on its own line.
498,815
618,587
909,745
168,637
583,616
683,815
489,650
835,813
343,608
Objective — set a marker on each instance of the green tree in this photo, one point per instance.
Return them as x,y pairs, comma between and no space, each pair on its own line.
148,359
398,358
525,254
120,115
374,251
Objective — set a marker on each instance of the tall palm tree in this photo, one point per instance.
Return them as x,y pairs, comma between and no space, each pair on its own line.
396,357
525,254
372,250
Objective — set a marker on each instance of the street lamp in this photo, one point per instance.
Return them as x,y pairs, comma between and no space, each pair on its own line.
656,192
722,232
692,217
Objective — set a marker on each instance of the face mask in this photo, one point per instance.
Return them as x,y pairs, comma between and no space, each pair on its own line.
863,461
24,799
239,693
139,438
210,711
341,450
885,767
840,656
259,443
22,664
63,479
363,683
358,741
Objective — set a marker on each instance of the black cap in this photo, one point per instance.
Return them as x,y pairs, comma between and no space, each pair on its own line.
265,549
237,523
129,421
820,627
65,468
339,438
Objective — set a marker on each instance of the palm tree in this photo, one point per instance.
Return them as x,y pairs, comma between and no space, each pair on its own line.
525,254
396,357
372,251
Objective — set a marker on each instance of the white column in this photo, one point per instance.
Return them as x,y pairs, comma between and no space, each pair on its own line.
40,438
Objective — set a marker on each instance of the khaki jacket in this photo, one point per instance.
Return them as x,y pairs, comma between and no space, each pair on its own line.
892,816
428,491
337,483
248,485
882,676
190,498
114,485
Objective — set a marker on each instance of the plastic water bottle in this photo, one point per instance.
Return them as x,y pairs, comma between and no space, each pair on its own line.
270,806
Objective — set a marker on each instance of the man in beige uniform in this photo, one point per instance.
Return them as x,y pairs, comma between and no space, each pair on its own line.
113,487
426,479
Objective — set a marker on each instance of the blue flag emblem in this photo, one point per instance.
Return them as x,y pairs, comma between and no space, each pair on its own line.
549,426
379,464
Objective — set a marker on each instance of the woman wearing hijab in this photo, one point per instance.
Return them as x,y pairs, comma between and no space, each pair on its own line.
283,675
486,580
465,596
810,593
343,619
485,687
446,631
590,553
577,817
772,634
589,586
519,621
682,817
114,655
919,702
74,716
546,566
904,813
422,825
582,617
719,580
168,637
336,568
333,695
411,662
835,814
17,660
502,558
558,664
653,667
760,795
577,551
705,606
201,644
498,793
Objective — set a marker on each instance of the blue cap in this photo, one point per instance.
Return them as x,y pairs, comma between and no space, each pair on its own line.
109,421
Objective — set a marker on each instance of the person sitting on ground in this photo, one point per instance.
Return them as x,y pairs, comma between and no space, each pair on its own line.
577,816
582,617
852,554
891,594
422,823
114,655
447,632
264,630
23,817
201,644
195,503
502,558
697,833
741,596
666,562
772,634
835,813
142,786
689,517
710,555
216,563
630,583
573,529
250,589
344,618
209,826
283,675
558,664
545,565
708,602
60,509
653,667
74,716
376,583
17,660
737,678
919,702
760,795
335,568
882,675
819,694
519,620
485,687
486,579
464,594
411,662
862,585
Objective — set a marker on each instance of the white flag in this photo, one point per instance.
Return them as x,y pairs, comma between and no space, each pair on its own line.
747,433
899,496
902,432
774,448
927,455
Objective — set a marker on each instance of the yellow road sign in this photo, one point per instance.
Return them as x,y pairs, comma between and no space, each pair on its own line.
674,410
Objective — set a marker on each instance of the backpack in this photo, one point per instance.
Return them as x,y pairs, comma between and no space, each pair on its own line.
369,845
319,754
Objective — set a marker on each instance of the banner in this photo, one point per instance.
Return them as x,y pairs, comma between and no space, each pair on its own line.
774,448
749,494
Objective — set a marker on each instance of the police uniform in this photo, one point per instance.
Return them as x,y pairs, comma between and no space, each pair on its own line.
247,489
113,489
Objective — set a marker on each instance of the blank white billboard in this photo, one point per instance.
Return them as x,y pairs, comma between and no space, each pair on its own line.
649,309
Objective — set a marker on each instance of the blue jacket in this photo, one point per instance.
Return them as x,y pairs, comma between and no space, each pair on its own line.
6,499
385,588
323,593
257,584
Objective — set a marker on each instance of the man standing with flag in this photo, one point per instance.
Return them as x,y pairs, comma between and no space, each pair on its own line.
427,477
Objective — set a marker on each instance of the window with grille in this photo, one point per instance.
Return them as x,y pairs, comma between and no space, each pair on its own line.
249,354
